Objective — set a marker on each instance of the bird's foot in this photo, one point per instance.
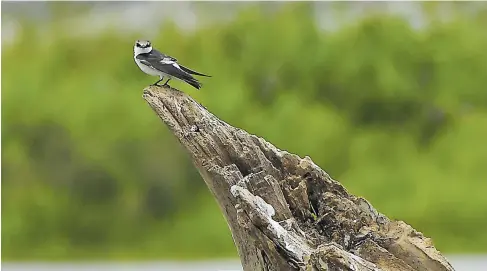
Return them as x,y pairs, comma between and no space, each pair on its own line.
166,83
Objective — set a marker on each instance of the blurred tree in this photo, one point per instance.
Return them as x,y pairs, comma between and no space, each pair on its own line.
382,107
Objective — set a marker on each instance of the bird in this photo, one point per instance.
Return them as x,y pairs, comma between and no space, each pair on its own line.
155,63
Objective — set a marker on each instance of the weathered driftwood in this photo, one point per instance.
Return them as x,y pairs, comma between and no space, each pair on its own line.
284,212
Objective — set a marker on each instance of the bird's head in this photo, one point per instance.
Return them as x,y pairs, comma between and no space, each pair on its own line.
142,46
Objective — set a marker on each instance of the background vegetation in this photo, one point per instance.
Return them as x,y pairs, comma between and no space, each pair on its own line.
397,114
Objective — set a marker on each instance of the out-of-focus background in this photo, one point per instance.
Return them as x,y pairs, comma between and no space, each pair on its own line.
388,98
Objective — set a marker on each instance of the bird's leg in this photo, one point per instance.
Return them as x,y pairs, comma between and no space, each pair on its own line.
155,84
165,84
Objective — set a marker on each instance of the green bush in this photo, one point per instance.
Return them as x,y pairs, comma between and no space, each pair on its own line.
396,114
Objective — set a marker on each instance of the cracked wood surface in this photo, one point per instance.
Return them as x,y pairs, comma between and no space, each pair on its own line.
284,212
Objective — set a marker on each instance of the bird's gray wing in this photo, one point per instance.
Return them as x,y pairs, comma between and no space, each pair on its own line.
144,60
156,54
190,71
166,66
173,69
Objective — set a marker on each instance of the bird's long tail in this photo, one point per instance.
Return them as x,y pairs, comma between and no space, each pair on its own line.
188,70
193,82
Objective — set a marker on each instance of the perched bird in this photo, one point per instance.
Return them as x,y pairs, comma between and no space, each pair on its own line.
156,63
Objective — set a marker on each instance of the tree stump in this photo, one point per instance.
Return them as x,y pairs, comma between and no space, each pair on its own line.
285,212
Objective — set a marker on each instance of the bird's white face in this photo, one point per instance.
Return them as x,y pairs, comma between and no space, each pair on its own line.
142,47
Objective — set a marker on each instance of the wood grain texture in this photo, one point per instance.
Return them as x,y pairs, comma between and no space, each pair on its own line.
285,212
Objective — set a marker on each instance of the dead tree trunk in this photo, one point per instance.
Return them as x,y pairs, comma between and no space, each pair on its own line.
284,212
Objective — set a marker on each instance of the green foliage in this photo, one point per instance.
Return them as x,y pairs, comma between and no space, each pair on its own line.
396,114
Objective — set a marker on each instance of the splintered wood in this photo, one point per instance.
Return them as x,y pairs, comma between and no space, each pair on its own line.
285,212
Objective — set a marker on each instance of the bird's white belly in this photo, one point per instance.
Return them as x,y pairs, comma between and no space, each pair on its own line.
147,69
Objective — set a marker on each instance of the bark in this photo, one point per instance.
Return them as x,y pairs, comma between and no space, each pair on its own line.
285,212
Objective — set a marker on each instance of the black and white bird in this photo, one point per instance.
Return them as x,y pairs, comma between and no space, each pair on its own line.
155,63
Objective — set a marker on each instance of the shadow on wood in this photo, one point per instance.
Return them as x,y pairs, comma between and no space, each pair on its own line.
284,212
